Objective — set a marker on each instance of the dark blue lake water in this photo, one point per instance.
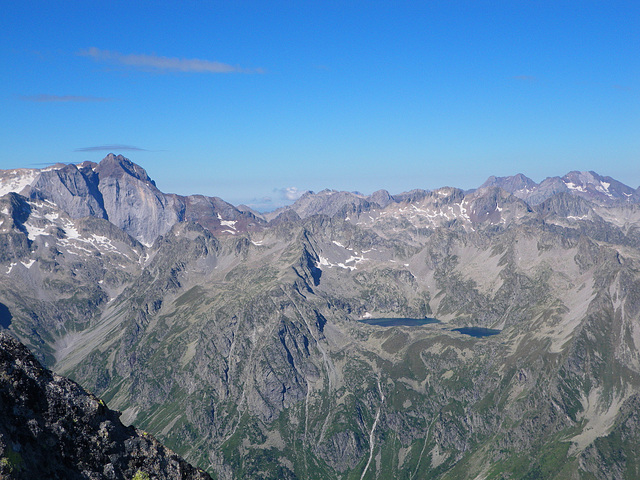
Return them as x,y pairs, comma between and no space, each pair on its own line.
477,331
394,322
5,316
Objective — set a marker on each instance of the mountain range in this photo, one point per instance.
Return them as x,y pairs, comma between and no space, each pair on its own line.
492,333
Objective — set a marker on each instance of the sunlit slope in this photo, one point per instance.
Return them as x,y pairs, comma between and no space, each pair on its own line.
238,341
246,354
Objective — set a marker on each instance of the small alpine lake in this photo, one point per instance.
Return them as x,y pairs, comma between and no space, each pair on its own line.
5,316
396,322
477,332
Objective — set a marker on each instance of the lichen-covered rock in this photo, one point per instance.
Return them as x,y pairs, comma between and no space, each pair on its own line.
51,428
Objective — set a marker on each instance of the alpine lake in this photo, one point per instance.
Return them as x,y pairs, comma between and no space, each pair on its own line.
477,332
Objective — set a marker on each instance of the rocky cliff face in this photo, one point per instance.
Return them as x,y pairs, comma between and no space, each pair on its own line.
241,344
120,191
51,428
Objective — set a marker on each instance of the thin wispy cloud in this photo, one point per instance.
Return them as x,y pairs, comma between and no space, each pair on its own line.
289,193
156,63
111,148
43,98
281,197
261,204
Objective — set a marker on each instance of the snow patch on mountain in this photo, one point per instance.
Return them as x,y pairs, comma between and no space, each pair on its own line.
17,180
34,231
573,186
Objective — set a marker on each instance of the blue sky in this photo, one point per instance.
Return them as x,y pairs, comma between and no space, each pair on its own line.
255,101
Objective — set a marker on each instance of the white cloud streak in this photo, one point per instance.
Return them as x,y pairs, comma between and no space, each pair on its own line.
110,148
163,64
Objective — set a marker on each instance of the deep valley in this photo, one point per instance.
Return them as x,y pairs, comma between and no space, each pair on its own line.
244,342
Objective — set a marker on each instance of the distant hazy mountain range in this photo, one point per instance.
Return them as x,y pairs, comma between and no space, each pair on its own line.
120,191
237,337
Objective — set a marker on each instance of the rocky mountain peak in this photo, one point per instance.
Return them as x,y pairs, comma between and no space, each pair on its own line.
581,181
511,184
118,166
600,189
589,185
381,197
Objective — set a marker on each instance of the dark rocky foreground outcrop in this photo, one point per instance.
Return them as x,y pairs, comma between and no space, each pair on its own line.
51,428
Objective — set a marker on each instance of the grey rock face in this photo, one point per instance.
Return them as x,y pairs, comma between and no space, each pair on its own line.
342,451
565,205
381,197
116,189
132,201
72,189
14,244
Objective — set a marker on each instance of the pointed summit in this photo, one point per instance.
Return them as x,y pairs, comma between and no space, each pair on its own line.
117,166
